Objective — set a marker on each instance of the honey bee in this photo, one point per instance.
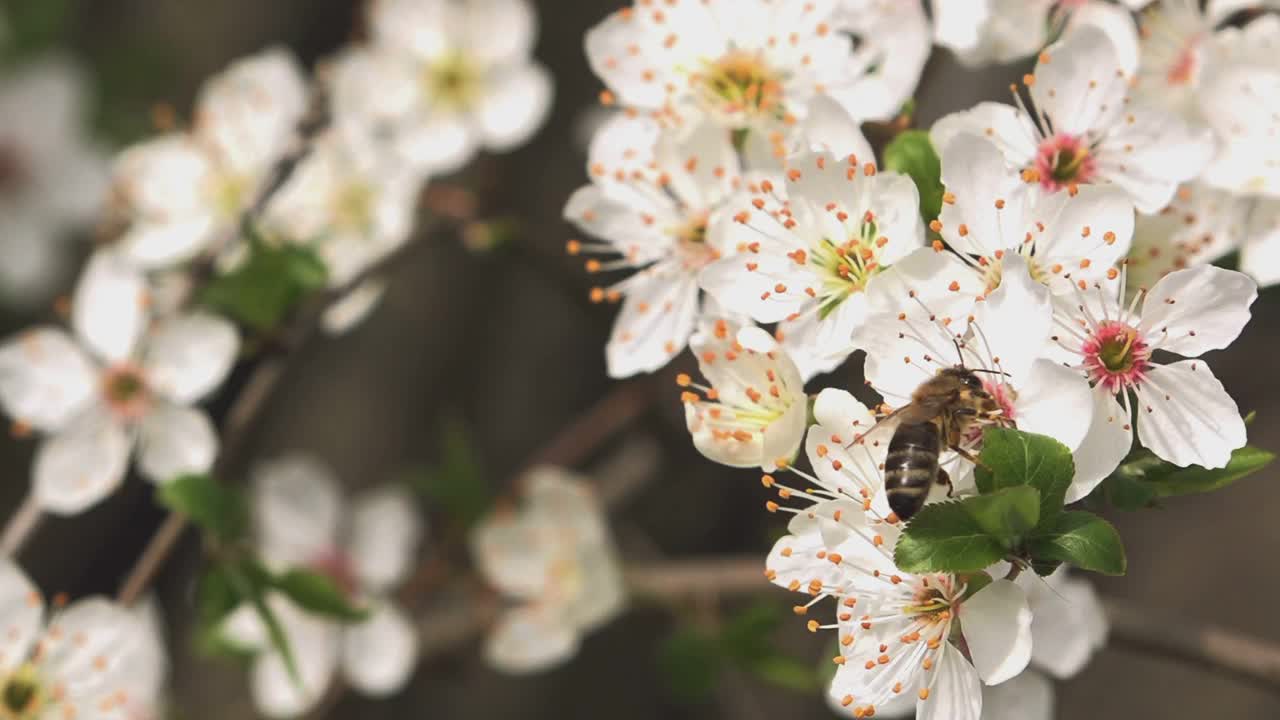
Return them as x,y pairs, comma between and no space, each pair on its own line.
943,411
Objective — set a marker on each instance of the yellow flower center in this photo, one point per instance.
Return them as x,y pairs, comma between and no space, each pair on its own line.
453,81
22,696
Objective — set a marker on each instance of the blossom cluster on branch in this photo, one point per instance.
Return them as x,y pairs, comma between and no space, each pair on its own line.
1028,283
1030,287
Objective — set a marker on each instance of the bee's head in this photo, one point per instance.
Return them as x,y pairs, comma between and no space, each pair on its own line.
963,376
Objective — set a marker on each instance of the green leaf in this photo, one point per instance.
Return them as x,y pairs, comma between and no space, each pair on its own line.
786,672
690,662
1081,539
251,581
262,291
1143,478
1193,480
945,537
318,594
216,598
456,484
912,154
1128,493
213,507
35,26
747,635
1006,514
1011,458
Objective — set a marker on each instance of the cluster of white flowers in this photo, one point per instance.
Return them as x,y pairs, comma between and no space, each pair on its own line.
274,164
1072,242
141,356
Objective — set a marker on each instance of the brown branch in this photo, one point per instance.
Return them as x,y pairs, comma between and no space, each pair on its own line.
239,421
1206,646
21,525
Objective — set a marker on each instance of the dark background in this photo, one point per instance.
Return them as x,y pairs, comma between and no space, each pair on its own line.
509,344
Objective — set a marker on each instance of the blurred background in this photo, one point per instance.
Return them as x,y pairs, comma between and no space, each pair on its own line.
505,345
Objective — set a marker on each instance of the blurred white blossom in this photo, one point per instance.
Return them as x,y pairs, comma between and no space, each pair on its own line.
120,382
442,79
366,546
53,176
553,558
93,659
183,193
1084,130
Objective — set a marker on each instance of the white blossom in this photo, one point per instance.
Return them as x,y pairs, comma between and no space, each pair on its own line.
366,546
1066,239
899,644
1083,130
755,409
119,382
555,560
53,177
183,193
981,32
660,201
820,242
927,318
93,659
1183,413
1240,98
757,64
443,79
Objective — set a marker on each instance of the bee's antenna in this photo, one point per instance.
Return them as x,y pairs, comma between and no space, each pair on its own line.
959,352
989,372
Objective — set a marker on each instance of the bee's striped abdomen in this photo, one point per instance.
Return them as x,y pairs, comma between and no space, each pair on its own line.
912,466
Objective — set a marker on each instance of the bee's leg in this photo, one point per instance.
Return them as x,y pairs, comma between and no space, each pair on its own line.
945,479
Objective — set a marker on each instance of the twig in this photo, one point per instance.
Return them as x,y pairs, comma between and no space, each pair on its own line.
239,420
21,526
1207,647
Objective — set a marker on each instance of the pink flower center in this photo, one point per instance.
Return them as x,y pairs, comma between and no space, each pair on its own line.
1184,67
1064,160
337,566
125,391
1116,356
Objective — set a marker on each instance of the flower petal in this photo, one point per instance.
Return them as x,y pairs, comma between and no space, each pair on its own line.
529,640
22,608
1070,624
1103,447
655,322
385,531
45,379
977,174
379,654
997,628
188,356
82,464
1260,256
514,106
348,311
315,644
175,440
955,692
108,311
1015,321
1056,401
1007,127
97,649
1193,311
297,506
498,32
1079,81
1186,417
1026,697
